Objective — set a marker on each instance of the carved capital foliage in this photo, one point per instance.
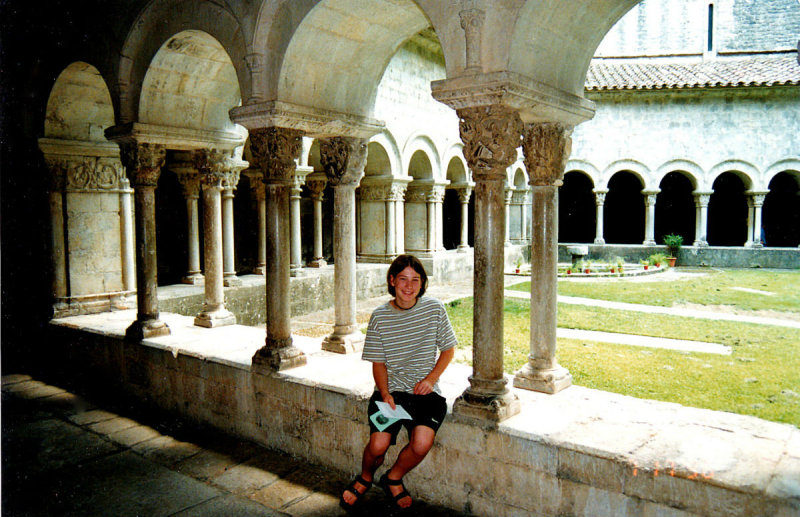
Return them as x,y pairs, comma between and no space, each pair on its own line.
275,150
464,194
212,166
343,159
84,173
397,193
491,135
546,148
436,194
701,200
316,186
375,193
190,183
143,162
600,198
416,195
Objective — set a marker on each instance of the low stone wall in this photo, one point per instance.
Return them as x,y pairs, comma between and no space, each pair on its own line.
312,291
577,453
715,256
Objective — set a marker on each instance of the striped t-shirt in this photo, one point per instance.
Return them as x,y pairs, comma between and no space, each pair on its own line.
406,341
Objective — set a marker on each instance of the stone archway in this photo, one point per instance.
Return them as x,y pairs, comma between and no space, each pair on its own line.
624,210
456,206
419,223
675,207
782,210
90,201
727,211
191,84
576,208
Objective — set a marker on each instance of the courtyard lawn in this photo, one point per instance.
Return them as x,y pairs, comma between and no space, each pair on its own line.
706,286
760,378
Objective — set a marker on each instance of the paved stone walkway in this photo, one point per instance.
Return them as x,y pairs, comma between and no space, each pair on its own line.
64,455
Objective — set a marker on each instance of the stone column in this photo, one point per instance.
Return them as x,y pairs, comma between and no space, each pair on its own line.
438,203
650,216
126,236
599,201
213,168
143,163
546,147
701,200
519,200
391,231
491,135
399,195
229,182
259,192
755,202
191,186
463,197
344,159
298,178
316,184
509,193
430,203
275,150
58,244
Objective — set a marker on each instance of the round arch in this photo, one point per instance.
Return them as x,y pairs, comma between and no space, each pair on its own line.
577,216
350,31
638,169
586,168
424,144
728,209
692,171
624,210
744,170
156,25
781,210
79,106
675,211
190,83
387,142
456,172
787,165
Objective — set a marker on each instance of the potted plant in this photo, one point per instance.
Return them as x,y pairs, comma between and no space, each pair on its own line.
645,263
518,264
673,243
587,268
620,262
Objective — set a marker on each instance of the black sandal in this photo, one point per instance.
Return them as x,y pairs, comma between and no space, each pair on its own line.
353,490
384,482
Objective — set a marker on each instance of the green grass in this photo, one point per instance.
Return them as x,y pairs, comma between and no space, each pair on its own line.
712,287
760,378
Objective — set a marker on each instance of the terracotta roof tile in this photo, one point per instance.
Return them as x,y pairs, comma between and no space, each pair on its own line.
753,71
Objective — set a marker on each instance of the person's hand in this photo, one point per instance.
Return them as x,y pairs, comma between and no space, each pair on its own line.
389,400
423,387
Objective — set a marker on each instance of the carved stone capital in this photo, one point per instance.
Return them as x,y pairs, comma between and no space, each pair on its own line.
600,196
701,199
316,182
756,198
464,194
211,165
275,150
491,135
343,159
190,183
256,65
375,193
143,162
397,193
546,148
436,194
416,194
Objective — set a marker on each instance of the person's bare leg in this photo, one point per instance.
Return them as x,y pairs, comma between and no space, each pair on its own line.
374,453
412,454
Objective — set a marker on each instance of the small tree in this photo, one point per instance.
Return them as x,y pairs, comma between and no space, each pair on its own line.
673,243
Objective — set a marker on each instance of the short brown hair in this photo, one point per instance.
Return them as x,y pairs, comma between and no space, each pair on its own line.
402,262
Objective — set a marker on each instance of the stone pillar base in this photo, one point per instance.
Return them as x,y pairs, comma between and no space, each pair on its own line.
275,359
260,270
344,344
320,262
231,281
599,242
486,408
194,279
700,244
213,319
549,381
649,243
463,248
296,271
140,330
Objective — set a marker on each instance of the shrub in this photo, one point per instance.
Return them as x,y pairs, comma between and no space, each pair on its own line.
673,243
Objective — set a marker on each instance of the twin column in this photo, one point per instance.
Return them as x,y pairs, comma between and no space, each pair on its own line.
491,135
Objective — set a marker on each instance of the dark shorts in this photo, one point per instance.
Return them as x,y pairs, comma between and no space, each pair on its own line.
428,410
